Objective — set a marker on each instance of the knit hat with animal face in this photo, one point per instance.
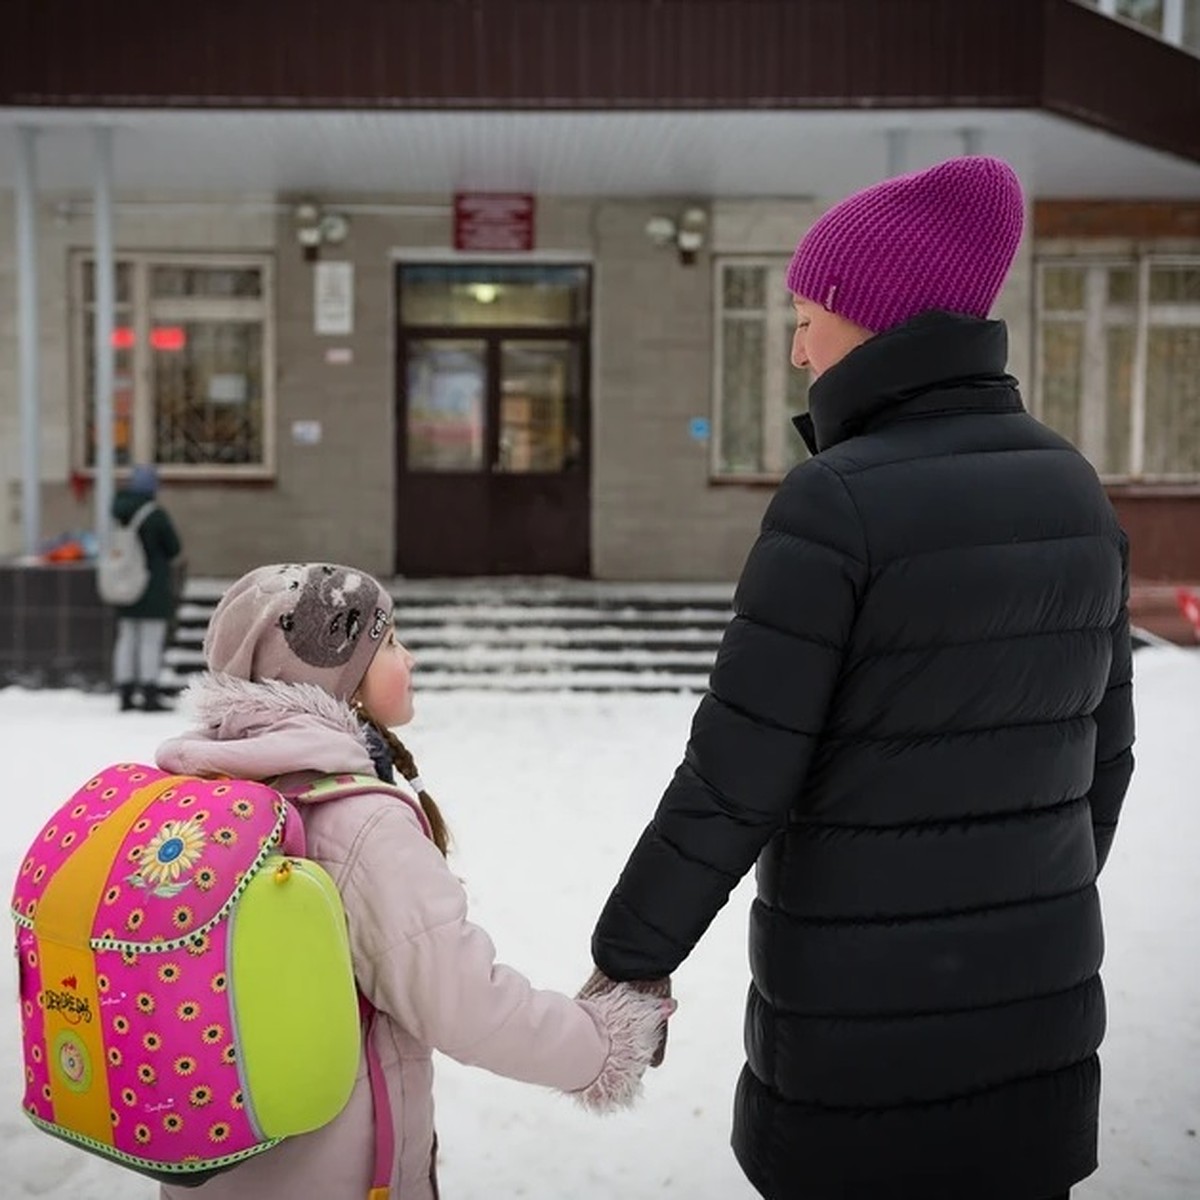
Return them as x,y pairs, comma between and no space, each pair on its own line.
313,623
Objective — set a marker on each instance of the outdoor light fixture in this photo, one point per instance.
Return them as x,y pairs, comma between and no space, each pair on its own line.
334,227
484,293
686,234
660,230
690,238
315,228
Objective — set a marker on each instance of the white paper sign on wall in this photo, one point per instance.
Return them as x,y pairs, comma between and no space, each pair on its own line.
306,433
333,298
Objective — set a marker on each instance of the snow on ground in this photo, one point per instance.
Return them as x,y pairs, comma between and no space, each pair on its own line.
546,794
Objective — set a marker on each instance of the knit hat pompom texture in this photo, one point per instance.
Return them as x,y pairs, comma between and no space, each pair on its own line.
316,623
943,238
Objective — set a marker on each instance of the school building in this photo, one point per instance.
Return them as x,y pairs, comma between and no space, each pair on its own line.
496,287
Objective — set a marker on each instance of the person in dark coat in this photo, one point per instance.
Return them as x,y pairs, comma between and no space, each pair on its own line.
142,625
919,726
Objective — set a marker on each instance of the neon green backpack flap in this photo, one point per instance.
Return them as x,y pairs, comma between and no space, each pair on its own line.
296,998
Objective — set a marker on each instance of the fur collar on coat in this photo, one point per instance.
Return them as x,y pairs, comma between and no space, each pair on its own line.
262,730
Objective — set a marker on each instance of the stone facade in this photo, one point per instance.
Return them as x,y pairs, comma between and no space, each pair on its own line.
655,512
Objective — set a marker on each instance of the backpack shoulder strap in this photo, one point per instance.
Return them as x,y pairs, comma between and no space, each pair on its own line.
141,514
385,1131
338,787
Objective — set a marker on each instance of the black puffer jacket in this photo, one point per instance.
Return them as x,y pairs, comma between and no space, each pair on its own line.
919,725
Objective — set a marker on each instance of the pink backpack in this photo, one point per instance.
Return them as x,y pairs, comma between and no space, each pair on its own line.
187,995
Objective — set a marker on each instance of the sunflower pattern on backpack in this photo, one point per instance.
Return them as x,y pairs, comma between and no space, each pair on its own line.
186,992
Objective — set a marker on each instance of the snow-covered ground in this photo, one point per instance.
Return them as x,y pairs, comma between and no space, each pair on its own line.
546,794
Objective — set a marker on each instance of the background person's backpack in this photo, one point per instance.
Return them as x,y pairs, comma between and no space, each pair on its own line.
187,994
122,572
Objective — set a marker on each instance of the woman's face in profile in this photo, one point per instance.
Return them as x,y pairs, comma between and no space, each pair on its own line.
822,338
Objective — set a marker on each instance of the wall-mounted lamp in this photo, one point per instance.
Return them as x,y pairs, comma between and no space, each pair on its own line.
316,228
686,233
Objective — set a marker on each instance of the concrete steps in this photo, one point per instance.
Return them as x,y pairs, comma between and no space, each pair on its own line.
528,635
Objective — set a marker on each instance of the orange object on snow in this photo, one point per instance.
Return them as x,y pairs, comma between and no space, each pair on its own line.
66,552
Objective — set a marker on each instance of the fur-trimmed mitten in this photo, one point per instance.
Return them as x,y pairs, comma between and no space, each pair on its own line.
598,983
636,1022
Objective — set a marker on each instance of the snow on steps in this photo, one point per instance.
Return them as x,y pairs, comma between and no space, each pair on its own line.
528,634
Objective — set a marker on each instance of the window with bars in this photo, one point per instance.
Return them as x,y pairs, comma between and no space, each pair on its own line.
756,390
193,350
1119,363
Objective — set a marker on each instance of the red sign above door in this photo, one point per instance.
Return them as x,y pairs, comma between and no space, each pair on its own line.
493,221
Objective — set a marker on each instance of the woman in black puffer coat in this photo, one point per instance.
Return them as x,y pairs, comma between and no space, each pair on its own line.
919,726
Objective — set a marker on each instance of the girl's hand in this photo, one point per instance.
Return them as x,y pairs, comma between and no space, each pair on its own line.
635,1018
598,983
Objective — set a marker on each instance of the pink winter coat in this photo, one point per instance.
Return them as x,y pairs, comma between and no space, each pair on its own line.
429,972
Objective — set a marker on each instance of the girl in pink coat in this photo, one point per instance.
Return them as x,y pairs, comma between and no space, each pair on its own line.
306,679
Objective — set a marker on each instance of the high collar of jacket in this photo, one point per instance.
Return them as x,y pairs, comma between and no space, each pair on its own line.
938,362
266,730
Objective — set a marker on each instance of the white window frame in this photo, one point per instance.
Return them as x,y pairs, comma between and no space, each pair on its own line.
1096,317
183,308
776,314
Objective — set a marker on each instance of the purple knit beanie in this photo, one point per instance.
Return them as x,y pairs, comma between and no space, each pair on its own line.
316,623
937,239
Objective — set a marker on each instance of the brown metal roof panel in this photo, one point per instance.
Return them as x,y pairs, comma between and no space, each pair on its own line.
582,54
648,53
1102,72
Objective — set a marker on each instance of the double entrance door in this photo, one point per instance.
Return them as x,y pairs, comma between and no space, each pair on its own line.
493,429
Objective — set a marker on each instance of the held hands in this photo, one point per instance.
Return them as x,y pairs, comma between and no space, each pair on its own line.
598,983
635,1016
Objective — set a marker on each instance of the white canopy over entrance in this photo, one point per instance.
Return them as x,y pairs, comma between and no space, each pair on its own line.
707,153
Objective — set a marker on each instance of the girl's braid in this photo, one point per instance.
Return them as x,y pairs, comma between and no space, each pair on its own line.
407,766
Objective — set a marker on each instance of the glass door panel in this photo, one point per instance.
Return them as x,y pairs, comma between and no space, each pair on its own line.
539,406
447,404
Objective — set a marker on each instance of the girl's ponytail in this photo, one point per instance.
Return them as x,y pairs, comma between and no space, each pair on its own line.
407,766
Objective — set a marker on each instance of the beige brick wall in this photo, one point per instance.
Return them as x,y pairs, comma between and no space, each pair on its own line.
655,513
